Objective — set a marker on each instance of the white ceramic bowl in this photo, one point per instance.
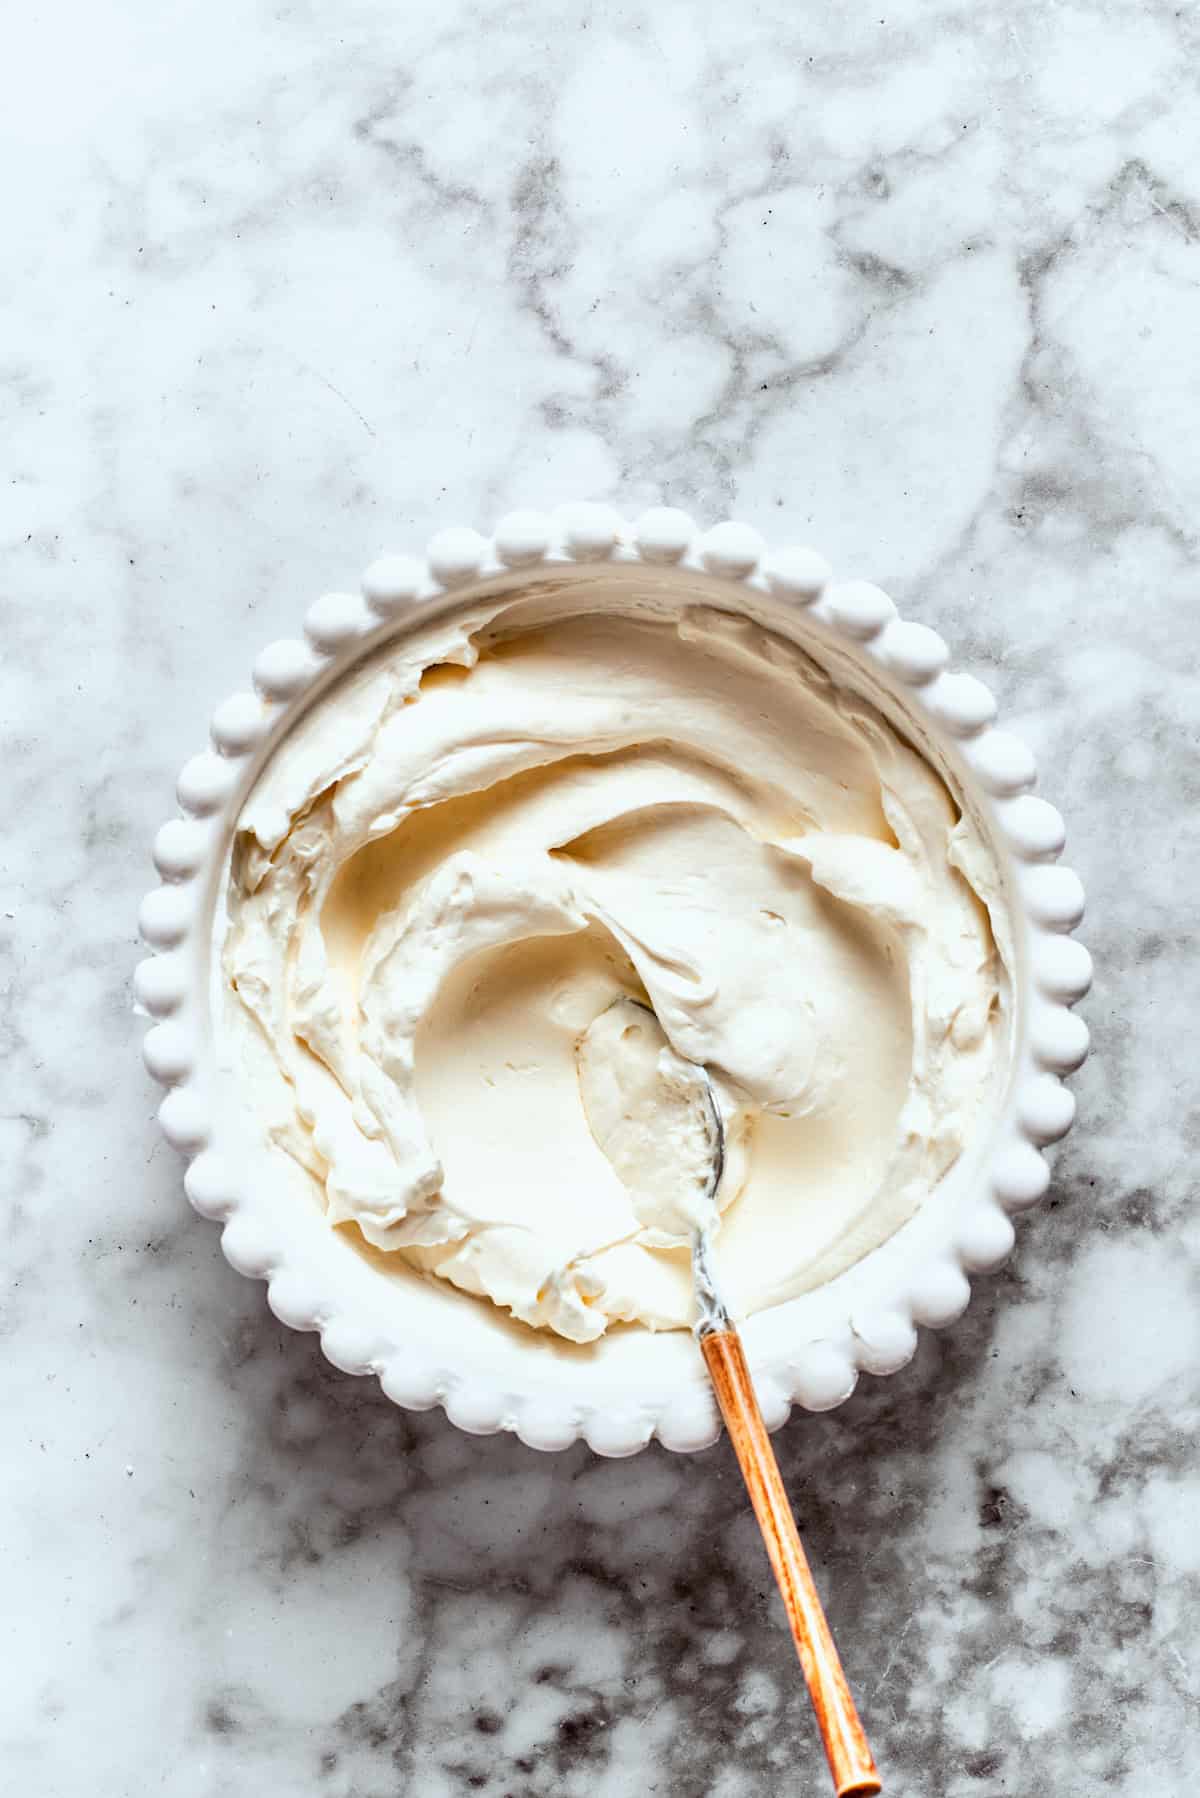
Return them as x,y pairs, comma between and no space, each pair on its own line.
426,1342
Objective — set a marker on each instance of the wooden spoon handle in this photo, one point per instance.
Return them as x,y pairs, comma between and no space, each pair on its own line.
846,1747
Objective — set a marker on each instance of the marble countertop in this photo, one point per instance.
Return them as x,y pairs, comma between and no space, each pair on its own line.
288,286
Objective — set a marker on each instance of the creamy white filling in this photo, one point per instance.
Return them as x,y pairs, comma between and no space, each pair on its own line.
653,1116
456,865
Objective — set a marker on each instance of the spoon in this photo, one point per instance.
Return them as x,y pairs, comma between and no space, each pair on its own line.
846,1749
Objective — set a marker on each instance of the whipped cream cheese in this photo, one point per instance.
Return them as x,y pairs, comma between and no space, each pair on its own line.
461,861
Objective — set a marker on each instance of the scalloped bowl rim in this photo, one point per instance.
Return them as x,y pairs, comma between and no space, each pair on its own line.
807,1351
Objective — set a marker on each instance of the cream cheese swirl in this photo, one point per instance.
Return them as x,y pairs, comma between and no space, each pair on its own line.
453,867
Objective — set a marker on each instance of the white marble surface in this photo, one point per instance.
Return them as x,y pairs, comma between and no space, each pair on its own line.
286,286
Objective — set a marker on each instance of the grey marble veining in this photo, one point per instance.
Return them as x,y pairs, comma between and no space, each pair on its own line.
284,287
